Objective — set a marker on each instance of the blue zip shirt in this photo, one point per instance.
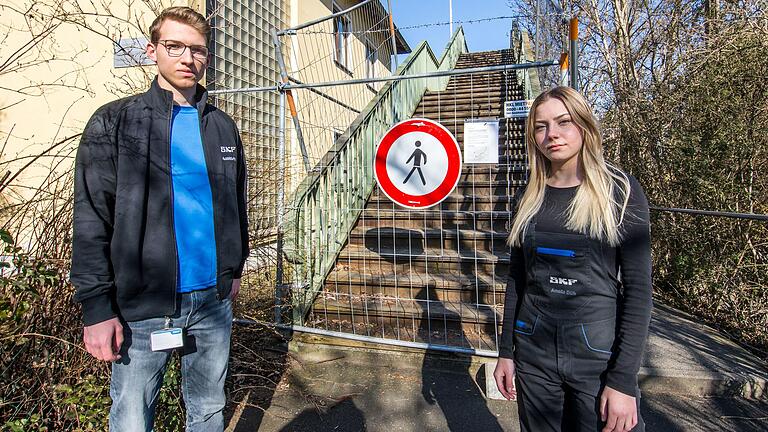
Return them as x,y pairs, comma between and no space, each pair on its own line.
192,203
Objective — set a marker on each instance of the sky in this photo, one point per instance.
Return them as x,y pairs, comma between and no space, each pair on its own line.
481,36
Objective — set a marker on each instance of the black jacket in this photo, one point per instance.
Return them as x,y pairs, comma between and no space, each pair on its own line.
124,258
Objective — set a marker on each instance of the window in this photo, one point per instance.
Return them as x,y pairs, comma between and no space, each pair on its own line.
341,30
371,58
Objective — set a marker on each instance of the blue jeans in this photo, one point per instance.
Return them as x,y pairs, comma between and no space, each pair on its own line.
138,375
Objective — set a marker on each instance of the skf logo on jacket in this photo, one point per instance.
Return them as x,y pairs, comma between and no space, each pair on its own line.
562,281
228,150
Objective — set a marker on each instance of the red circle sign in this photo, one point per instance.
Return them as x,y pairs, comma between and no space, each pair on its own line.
418,163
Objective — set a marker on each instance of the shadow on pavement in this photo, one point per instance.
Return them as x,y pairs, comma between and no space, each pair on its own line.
344,416
258,360
463,404
678,413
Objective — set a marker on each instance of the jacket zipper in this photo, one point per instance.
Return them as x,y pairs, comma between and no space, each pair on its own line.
173,221
213,207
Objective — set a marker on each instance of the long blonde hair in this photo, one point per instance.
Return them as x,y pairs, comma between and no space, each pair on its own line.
598,208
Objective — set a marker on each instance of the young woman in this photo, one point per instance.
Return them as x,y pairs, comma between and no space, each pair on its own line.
578,300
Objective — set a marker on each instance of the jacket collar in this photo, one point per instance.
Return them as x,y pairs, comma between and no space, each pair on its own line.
160,98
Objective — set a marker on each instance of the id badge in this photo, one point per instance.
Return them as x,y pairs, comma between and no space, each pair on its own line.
165,339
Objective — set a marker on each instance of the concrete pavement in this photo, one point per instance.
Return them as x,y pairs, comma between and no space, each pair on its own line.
693,379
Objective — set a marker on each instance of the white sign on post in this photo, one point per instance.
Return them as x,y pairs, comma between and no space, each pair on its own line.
517,108
481,141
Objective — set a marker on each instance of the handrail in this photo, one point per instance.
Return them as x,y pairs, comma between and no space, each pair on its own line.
329,200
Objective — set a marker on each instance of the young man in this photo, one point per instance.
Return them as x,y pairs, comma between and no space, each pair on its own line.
160,232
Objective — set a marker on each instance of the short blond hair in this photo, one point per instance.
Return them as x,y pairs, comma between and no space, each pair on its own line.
183,15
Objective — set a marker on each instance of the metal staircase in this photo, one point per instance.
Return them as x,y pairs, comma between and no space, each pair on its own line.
436,276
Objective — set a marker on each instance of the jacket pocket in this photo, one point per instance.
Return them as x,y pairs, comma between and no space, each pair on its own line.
556,252
560,268
526,322
528,347
597,337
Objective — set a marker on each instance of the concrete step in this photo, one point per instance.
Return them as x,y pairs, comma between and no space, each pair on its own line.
477,86
420,313
414,328
386,240
488,172
503,92
422,286
480,81
456,202
481,294
457,103
510,127
460,106
479,77
445,261
496,187
448,113
435,218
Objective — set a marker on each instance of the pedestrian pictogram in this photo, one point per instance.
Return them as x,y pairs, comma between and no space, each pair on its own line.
416,157
418,163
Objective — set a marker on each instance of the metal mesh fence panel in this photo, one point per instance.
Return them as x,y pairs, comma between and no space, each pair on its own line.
243,55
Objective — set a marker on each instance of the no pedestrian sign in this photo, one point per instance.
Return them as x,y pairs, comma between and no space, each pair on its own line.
418,163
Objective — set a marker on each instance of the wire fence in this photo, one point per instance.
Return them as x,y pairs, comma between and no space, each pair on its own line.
356,264
359,265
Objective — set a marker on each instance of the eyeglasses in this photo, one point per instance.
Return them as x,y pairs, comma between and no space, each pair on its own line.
176,49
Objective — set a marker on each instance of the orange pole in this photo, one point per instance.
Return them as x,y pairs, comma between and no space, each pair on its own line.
573,35
291,102
573,32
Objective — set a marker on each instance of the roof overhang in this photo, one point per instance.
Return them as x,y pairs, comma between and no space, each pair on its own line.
400,43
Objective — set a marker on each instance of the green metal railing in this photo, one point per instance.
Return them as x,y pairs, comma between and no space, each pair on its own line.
330,199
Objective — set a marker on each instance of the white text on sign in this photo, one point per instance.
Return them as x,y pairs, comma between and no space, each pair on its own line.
517,108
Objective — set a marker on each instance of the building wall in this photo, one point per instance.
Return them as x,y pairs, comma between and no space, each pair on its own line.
50,90
48,94
311,59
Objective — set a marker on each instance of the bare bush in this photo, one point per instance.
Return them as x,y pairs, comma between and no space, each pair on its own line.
682,94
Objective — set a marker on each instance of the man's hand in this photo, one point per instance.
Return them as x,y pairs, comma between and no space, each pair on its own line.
235,289
103,340
618,410
505,378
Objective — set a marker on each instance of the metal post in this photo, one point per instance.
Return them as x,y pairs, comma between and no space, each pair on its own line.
291,102
280,211
536,31
450,18
573,36
563,69
393,36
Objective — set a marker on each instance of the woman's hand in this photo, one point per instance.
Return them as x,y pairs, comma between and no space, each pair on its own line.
505,378
617,410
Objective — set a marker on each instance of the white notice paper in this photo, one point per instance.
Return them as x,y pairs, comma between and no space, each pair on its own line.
481,141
